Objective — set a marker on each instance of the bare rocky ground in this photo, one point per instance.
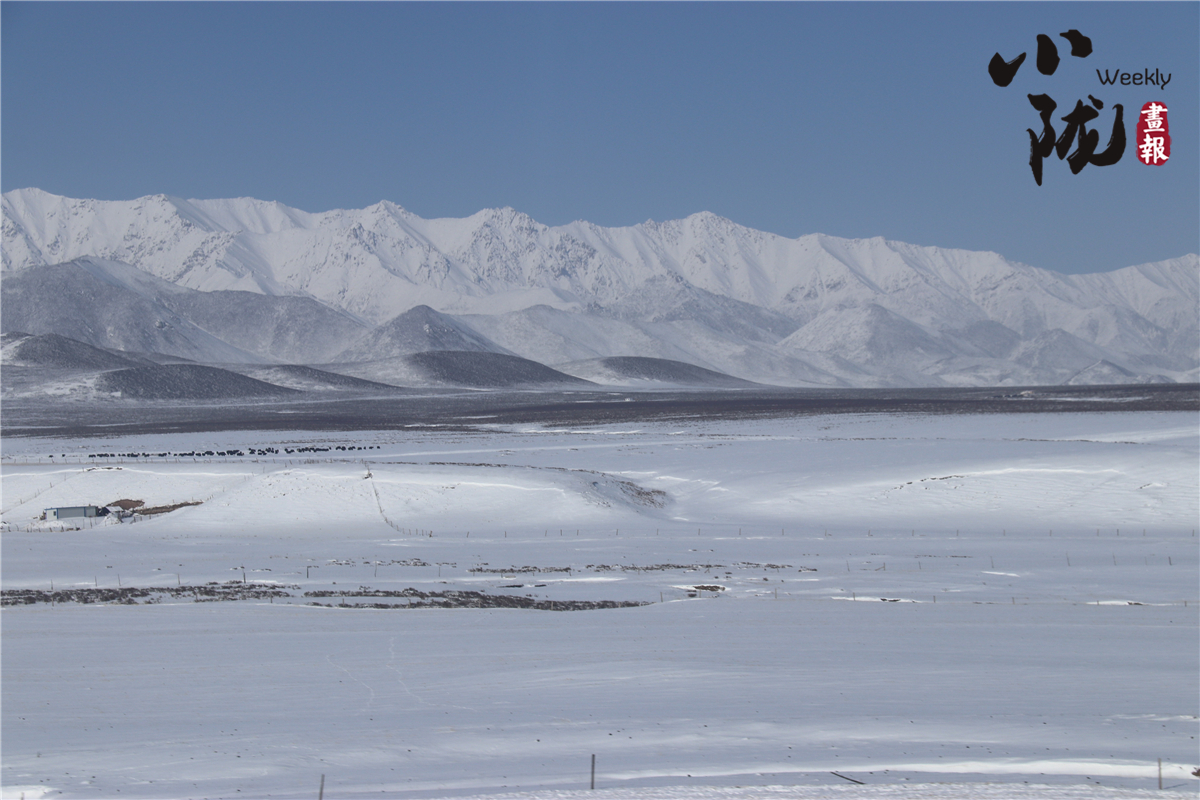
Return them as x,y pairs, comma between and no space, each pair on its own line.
346,598
450,411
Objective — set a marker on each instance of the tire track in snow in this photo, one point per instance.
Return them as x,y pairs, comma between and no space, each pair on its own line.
391,664
370,699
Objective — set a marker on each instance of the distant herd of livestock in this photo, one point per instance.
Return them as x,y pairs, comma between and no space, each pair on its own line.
266,451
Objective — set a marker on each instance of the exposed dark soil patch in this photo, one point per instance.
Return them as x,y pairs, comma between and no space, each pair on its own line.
140,507
137,595
413,598
525,570
233,591
653,567
516,570
166,509
655,498
126,505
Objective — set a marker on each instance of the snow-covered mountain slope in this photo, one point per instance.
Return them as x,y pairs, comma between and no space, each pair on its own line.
638,371
108,305
278,328
307,379
459,368
553,336
817,310
111,304
418,330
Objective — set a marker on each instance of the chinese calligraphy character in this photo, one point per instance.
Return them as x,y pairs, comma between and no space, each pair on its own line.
1003,72
1041,147
1076,132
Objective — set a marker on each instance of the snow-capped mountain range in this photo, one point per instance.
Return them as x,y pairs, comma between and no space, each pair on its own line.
249,281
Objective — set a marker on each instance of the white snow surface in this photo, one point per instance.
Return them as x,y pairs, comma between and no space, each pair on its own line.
1043,641
894,791
919,791
702,289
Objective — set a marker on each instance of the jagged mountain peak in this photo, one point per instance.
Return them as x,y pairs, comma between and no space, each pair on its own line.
699,226
384,213
417,330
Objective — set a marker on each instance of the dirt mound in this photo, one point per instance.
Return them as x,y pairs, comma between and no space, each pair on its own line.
126,505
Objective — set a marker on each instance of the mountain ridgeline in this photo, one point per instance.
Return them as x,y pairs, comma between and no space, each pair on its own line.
498,299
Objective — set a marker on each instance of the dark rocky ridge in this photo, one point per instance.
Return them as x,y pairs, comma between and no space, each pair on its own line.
52,350
481,370
185,382
301,378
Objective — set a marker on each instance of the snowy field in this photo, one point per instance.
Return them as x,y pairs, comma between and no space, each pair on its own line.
938,606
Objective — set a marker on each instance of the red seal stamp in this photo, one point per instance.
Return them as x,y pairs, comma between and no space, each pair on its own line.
1153,135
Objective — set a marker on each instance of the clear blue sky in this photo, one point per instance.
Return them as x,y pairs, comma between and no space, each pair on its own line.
852,119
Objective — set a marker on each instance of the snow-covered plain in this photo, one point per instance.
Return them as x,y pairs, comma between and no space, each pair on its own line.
1043,632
